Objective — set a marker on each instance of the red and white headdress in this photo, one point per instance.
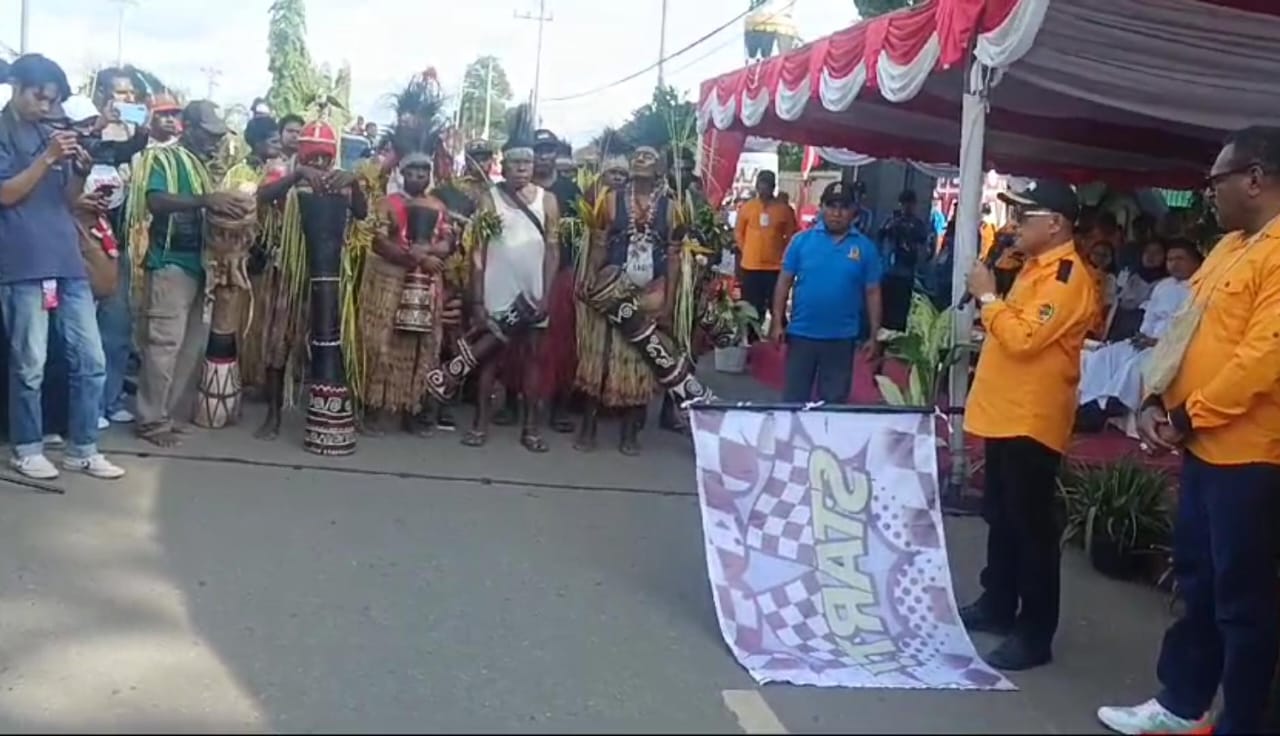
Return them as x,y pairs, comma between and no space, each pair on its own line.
318,138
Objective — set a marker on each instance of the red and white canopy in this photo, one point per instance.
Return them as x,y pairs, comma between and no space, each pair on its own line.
1126,90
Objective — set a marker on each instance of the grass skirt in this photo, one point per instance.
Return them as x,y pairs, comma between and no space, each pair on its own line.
396,361
610,369
284,326
249,345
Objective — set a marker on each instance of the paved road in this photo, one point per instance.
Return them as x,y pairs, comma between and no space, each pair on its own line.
444,589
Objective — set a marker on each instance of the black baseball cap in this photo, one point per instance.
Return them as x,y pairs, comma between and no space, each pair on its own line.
544,138
837,193
1045,196
204,113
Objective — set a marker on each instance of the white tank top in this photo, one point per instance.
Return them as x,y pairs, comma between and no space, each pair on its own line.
515,257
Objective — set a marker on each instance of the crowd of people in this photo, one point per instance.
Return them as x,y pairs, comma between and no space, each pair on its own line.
374,298
380,296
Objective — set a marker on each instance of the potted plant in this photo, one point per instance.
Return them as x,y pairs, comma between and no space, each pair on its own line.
925,348
1118,511
731,323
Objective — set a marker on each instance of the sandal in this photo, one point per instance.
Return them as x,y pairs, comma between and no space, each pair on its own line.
475,438
160,435
533,441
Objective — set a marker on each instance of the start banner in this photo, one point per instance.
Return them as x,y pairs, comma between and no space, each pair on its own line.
825,549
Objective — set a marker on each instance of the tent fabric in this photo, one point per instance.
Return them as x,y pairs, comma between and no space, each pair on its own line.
1132,91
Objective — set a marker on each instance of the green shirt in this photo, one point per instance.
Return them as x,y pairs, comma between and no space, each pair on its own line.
176,240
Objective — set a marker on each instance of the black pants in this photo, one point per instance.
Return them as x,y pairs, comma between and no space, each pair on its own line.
757,290
1224,560
828,363
1020,582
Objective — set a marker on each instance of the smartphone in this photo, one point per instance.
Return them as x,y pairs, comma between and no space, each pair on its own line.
134,114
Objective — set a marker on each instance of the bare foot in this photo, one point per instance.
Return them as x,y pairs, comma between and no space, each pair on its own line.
269,430
371,426
585,442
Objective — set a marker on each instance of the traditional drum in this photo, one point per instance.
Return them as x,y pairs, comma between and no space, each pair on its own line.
218,403
331,427
613,295
420,294
480,344
227,291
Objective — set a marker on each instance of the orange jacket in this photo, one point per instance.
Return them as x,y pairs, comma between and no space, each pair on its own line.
1029,370
1227,391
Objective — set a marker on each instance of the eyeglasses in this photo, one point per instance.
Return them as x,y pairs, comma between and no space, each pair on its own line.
1213,180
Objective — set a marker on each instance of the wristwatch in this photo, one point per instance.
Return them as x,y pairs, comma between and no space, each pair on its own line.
987,298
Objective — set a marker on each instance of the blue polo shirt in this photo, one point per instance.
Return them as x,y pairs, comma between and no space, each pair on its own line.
38,237
831,278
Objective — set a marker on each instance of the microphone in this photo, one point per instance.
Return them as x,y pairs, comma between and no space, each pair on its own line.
993,257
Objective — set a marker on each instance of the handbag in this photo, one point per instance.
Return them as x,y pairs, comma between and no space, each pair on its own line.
1165,359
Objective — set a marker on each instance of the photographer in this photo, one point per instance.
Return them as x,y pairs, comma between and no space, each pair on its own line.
41,270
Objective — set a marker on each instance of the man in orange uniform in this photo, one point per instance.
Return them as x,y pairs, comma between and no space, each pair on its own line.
1023,403
1223,409
764,227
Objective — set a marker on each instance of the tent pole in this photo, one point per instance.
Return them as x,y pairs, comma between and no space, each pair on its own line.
968,214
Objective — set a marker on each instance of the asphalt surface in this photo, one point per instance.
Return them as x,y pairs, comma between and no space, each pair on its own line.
234,585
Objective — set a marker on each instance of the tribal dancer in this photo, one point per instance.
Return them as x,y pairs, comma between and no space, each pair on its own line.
635,235
288,273
518,262
559,356
266,169
405,300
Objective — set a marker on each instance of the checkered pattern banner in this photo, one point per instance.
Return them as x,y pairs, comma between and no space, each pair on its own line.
826,552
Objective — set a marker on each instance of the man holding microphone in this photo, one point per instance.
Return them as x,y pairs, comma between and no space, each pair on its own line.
1023,404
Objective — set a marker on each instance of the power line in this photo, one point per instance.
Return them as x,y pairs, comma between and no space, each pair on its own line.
702,39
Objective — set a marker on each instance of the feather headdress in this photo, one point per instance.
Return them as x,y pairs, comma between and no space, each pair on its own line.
520,127
417,135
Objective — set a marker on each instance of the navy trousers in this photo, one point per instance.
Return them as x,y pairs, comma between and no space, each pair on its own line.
824,364
1224,560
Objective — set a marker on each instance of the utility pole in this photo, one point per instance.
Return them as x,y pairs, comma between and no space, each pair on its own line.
121,5
212,74
488,98
24,27
662,47
543,18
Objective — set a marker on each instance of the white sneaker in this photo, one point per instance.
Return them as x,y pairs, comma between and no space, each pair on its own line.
97,466
36,467
54,441
122,416
1150,717
103,423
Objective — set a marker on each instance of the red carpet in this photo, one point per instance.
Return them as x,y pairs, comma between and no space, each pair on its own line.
766,364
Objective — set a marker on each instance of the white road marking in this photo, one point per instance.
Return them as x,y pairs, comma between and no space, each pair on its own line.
753,713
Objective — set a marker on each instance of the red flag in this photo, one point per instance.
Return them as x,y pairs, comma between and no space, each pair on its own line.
809,161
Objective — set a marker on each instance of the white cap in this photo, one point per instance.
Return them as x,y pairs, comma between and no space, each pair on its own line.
79,108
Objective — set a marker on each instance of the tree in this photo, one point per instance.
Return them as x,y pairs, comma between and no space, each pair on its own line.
294,81
872,8
477,89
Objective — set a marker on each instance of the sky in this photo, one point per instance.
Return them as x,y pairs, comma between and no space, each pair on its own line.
588,44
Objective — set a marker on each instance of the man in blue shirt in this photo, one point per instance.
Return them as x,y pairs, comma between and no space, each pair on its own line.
41,270
836,273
